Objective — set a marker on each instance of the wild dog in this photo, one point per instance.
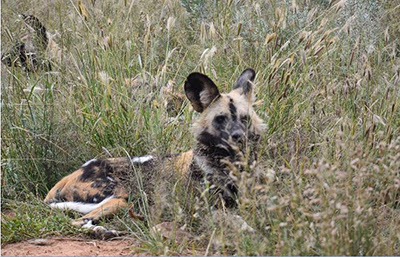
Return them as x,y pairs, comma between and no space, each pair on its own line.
30,51
226,133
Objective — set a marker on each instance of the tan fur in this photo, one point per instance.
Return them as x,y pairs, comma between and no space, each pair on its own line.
182,162
63,183
108,209
220,107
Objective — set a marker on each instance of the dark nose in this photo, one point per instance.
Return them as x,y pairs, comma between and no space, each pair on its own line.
238,135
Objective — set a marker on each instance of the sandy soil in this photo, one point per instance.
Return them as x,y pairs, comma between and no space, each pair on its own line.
70,246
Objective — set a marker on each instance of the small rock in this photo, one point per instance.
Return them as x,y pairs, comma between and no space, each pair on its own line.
40,241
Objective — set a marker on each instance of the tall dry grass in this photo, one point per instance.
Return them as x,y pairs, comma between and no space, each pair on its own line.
327,182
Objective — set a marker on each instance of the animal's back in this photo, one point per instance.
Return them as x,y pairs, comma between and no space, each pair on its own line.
101,183
96,186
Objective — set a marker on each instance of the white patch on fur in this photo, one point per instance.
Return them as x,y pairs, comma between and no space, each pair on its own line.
80,207
88,162
88,224
99,229
205,97
203,164
111,179
142,159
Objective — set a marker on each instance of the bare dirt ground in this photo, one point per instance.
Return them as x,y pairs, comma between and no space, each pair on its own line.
70,246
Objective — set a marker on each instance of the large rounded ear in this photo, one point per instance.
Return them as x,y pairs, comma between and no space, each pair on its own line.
245,81
200,90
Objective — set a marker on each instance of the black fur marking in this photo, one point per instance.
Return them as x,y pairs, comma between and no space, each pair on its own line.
109,189
76,197
230,194
232,188
195,171
6,59
208,139
219,122
245,79
38,27
99,183
20,48
245,119
96,169
224,135
96,198
105,186
89,171
232,109
197,83
119,197
19,56
214,146
86,220
224,188
58,197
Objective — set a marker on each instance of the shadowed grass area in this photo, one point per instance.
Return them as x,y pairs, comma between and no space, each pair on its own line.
30,219
328,75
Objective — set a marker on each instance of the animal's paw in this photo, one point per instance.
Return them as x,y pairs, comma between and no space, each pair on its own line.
103,233
80,222
100,232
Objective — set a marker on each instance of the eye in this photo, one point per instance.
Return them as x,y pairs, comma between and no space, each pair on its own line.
245,119
220,119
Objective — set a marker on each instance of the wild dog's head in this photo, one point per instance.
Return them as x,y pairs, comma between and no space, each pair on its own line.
227,120
228,126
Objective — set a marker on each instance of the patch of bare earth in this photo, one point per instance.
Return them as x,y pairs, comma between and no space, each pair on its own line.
63,246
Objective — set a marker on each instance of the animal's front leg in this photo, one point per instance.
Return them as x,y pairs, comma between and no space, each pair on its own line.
109,208
106,210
